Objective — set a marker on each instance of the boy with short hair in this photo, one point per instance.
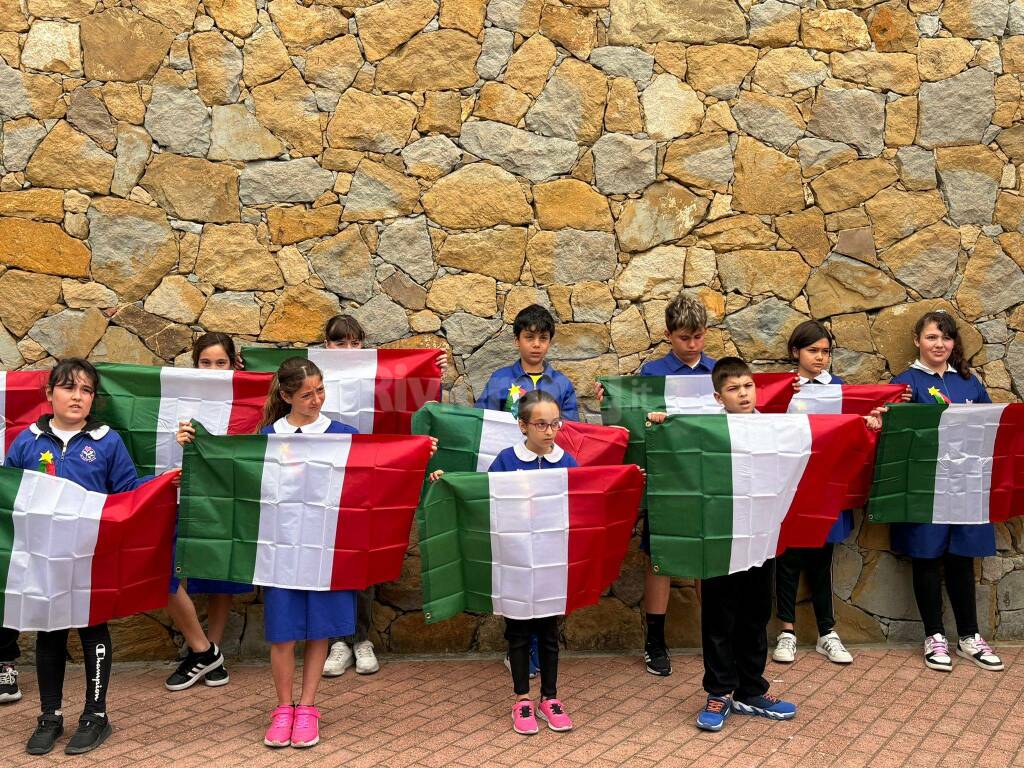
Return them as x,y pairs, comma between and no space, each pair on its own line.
534,329
686,322
735,609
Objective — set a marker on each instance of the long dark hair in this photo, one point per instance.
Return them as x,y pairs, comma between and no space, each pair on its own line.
288,379
807,333
947,325
213,339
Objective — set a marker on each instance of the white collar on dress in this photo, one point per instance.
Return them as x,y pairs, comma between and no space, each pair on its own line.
922,367
318,427
822,378
525,454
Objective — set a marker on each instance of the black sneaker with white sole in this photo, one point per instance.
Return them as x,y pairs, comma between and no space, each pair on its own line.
194,667
657,659
9,690
92,731
217,677
49,728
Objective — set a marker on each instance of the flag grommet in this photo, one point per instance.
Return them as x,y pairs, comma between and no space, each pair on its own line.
426,615
656,568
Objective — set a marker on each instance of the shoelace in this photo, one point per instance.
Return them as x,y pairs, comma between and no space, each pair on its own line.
833,645
717,706
787,642
983,647
280,719
363,651
769,699
556,708
336,654
525,711
938,647
303,719
8,676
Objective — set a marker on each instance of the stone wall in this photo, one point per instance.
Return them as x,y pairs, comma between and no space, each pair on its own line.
246,166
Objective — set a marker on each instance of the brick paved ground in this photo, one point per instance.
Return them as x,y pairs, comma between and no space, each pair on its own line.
885,710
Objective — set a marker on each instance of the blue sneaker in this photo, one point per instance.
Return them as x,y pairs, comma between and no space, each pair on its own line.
714,714
766,706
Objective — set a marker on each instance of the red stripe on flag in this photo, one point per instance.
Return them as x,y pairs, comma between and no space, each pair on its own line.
862,399
774,391
1006,498
407,379
132,560
593,444
839,447
249,394
603,505
25,396
383,479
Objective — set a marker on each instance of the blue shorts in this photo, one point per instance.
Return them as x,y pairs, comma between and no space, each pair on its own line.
930,540
298,614
209,587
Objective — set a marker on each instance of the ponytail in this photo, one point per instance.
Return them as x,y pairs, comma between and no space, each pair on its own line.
289,378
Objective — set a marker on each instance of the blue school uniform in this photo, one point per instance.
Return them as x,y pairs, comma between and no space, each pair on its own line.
931,540
670,365
519,457
555,383
844,524
299,614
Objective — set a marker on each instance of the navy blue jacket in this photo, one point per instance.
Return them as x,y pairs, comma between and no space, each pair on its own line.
519,457
553,382
955,387
670,365
95,458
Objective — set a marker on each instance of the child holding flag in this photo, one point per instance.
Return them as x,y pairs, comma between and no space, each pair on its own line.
204,660
68,443
810,346
941,375
345,332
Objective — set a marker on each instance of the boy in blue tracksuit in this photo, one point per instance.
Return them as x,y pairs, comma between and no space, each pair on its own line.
68,443
534,330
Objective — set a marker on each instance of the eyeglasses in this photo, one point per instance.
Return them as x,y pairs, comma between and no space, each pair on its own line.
544,426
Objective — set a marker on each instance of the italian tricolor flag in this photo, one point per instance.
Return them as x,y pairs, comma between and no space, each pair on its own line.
728,492
304,511
958,464
373,390
144,404
73,558
525,544
468,439
628,400
22,402
858,399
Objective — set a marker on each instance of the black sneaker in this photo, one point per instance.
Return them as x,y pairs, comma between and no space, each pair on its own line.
49,728
193,667
8,683
92,731
217,677
658,661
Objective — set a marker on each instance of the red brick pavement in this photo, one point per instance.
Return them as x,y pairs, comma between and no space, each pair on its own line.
884,710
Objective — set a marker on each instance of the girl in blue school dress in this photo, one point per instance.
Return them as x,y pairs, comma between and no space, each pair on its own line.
940,374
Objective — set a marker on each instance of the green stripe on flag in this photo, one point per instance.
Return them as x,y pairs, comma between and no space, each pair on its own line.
219,511
454,523
903,490
10,482
268,359
689,496
457,430
627,401
129,402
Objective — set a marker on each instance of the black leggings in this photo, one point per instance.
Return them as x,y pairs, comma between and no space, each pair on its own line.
817,564
959,586
9,650
518,632
51,658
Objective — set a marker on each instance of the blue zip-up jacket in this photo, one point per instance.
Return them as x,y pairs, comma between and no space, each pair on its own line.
96,458
553,382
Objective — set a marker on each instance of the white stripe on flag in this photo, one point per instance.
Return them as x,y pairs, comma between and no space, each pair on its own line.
817,398
300,496
350,384
499,431
768,460
3,415
690,394
529,542
191,393
963,467
56,525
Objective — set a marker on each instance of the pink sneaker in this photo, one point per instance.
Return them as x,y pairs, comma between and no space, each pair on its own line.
524,720
306,729
551,710
279,734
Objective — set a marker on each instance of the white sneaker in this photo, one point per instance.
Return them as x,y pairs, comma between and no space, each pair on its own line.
830,645
785,648
936,653
338,660
366,660
977,650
